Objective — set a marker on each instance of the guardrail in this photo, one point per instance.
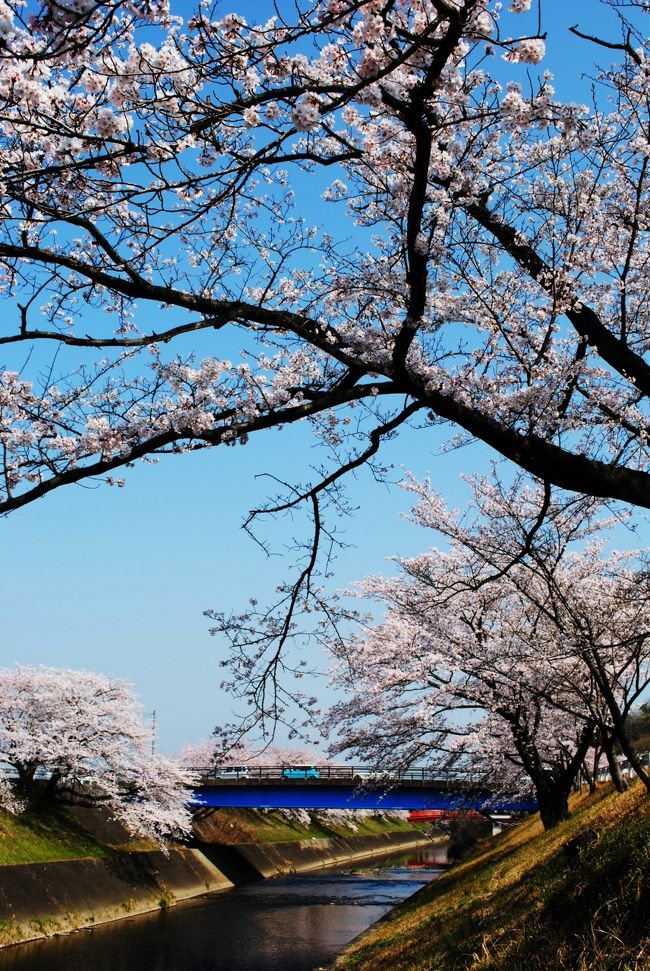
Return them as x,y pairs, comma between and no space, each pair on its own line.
357,774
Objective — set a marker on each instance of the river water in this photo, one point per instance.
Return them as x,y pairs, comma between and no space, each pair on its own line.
295,923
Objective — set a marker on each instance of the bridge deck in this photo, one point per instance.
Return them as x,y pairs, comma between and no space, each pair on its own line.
347,787
323,795
334,775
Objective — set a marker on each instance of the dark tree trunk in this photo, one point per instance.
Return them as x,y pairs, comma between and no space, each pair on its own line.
25,783
633,758
48,792
590,778
595,767
552,783
614,768
553,801
618,729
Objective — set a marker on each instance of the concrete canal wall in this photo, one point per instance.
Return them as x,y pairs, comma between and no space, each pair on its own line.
255,861
41,899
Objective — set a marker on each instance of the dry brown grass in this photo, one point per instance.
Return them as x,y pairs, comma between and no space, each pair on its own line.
518,905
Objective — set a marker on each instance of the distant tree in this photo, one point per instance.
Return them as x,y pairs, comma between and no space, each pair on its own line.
287,755
464,834
75,737
638,727
209,754
201,755
548,550
453,687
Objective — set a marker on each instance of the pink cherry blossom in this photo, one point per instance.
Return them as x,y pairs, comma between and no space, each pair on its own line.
505,655
528,51
489,255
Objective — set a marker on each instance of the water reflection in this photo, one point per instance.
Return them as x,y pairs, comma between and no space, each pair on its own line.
288,924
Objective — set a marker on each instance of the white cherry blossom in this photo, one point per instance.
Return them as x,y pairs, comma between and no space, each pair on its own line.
80,738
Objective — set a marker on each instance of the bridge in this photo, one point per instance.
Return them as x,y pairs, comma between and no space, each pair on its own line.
350,787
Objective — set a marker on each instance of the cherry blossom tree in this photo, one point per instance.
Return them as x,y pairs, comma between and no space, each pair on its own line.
482,265
113,152
152,176
523,618
210,754
604,612
454,685
78,737
288,755
549,553
202,755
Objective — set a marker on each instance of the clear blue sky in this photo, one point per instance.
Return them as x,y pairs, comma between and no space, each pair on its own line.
116,580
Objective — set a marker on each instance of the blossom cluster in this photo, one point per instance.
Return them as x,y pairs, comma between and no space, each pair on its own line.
489,258
522,622
84,734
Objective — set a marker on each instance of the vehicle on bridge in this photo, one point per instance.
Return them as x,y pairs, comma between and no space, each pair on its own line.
365,776
300,772
232,772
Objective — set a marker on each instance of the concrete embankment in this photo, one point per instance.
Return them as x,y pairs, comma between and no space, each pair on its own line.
41,899
254,861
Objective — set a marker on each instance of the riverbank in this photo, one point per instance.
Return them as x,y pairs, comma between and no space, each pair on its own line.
294,923
242,862
39,899
523,901
280,826
79,833
38,838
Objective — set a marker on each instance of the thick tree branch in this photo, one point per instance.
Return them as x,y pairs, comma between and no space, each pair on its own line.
586,322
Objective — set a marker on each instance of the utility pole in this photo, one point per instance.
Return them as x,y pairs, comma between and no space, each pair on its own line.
153,732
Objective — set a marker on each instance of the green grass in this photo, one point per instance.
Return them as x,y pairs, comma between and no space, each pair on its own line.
273,828
270,826
41,838
518,905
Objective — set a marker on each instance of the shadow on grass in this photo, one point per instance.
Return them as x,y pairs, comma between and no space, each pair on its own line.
521,906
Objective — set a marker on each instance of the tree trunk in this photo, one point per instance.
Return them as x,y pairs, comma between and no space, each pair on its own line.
614,768
618,731
633,758
552,786
49,790
25,783
589,777
595,767
553,804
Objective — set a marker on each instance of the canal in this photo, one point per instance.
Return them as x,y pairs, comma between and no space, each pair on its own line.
294,923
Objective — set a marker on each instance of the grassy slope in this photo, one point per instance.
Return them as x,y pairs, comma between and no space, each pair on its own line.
258,826
517,904
34,838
